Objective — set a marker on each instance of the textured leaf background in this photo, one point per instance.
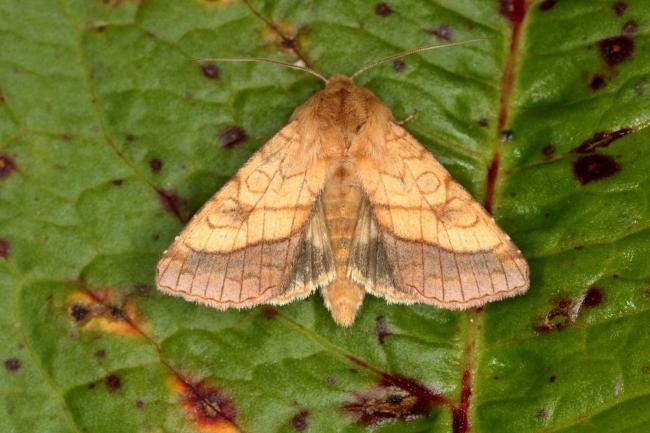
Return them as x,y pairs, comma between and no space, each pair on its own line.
111,137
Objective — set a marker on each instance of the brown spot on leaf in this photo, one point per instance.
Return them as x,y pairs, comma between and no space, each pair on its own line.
483,122
381,329
78,312
139,404
113,382
231,136
601,139
381,404
117,182
270,312
130,138
394,397
382,9
593,297
645,369
597,82
552,378
616,49
547,5
7,166
288,44
209,407
557,318
506,136
171,202
94,310
564,311
399,65
155,165
619,8
142,289
210,70
541,414
299,420
548,151
594,167
630,27
4,248
330,380
100,354
444,32
12,364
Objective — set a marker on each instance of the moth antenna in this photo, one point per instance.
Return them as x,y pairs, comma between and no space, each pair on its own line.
262,60
411,52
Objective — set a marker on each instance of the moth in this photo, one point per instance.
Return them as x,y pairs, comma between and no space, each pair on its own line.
342,200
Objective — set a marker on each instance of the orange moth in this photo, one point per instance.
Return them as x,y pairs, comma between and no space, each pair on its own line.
342,200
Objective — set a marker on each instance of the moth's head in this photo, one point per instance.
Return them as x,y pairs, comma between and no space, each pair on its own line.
338,81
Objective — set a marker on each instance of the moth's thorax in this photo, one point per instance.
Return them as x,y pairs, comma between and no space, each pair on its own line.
340,113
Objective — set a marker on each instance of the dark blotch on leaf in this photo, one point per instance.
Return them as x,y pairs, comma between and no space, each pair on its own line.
100,354
547,5
601,139
630,27
557,318
616,49
207,404
4,248
595,167
552,378
139,404
399,65
210,70
506,135
12,364
548,151
143,289
394,397
299,420
117,182
381,329
270,312
541,414
130,138
232,136
171,202
116,312
483,122
288,44
78,312
155,165
112,382
597,82
383,10
619,8
593,298
645,369
330,380
444,32
7,166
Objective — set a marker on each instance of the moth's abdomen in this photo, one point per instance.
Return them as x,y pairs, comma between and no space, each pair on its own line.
341,202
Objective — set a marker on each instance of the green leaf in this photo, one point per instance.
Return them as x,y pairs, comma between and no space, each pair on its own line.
109,139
